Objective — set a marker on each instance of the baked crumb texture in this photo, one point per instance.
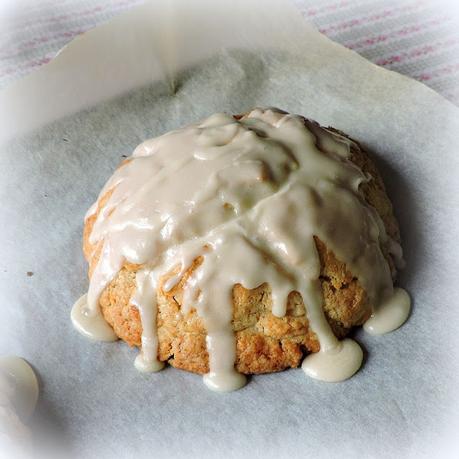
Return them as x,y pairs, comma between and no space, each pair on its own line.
265,343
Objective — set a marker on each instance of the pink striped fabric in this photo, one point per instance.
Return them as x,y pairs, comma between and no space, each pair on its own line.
418,38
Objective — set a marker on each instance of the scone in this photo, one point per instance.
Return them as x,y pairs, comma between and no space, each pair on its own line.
239,245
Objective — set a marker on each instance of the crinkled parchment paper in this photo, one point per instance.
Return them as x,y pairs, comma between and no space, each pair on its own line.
402,403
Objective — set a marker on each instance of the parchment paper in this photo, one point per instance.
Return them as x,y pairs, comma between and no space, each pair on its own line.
93,403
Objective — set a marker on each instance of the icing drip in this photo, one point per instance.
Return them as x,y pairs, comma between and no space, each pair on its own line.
248,197
390,314
145,300
91,325
19,384
336,364
18,397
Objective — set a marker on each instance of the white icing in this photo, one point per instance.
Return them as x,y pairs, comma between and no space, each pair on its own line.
248,197
223,381
18,384
145,300
18,397
336,364
91,325
390,314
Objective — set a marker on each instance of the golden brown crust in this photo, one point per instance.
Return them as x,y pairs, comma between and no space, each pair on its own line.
265,343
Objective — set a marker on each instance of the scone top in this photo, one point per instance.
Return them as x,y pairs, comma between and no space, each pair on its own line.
247,197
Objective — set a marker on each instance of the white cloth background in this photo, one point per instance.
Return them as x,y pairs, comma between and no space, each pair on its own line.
418,38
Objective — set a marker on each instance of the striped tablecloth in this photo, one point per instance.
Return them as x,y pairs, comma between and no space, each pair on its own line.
419,38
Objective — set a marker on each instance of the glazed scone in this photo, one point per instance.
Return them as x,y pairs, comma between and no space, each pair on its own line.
264,341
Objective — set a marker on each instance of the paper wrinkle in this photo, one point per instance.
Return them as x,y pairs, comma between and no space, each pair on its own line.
91,393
